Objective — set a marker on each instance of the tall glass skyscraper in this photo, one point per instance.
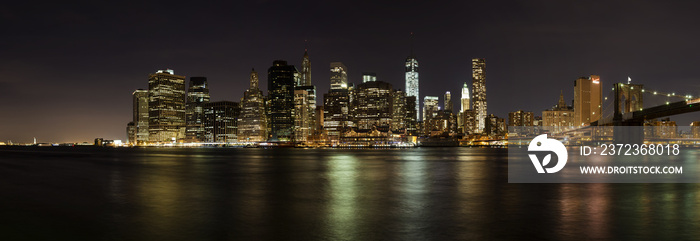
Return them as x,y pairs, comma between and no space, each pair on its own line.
280,88
412,81
197,96
166,107
479,92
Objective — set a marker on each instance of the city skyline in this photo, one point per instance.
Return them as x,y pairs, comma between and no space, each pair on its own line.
91,79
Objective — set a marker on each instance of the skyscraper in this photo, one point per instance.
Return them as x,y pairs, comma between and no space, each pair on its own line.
372,104
305,70
479,92
140,117
430,107
412,84
197,96
220,121
448,101
303,121
336,117
252,126
339,76
280,85
304,102
166,107
465,98
587,100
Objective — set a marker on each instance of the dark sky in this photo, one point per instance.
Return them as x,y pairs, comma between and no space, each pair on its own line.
67,71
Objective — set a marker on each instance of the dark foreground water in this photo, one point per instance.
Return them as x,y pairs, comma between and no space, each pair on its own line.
53,193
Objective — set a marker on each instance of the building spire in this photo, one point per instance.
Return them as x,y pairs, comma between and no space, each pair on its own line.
412,45
562,103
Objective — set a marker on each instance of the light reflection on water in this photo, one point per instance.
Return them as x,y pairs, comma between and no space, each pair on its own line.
320,194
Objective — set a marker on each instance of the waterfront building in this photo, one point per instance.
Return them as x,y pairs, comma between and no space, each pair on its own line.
140,118
398,109
479,92
303,125
558,118
495,126
221,119
587,100
166,107
695,129
468,122
372,106
442,123
521,118
197,96
252,125
131,133
280,84
664,128
336,116
411,123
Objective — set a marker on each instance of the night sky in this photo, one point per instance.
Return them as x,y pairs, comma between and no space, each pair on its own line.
67,71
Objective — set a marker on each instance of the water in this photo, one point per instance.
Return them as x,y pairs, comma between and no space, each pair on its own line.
56,193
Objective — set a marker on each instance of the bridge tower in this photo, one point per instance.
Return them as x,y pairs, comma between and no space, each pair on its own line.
628,98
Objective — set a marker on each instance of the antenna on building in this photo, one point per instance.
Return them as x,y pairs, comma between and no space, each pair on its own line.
306,45
412,44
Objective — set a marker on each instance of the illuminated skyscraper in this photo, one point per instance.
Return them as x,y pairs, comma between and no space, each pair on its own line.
412,84
197,96
339,76
304,102
448,101
479,92
430,107
303,118
140,117
587,100
252,126
220,121
465,98
280,86
166,107
336,116
372,104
